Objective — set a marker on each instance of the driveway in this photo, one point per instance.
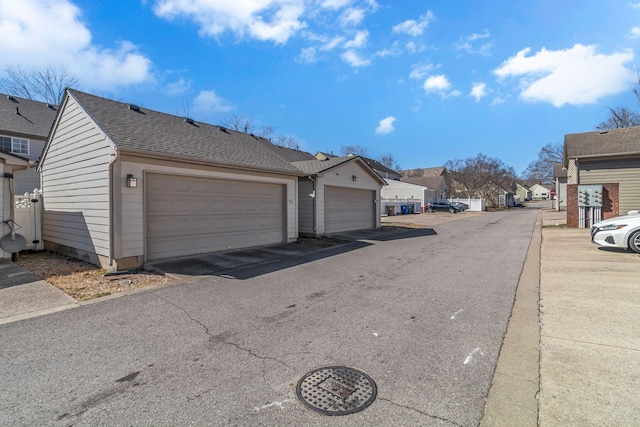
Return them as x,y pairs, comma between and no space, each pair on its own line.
422,313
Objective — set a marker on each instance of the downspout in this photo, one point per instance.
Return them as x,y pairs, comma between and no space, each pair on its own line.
315,199
115,158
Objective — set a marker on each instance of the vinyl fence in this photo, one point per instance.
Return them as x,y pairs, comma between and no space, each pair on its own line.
28,219
475,205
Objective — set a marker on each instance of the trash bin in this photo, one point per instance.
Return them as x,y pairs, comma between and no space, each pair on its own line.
412,209
404,209
391,210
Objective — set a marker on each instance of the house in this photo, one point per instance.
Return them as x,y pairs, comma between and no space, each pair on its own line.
523,192
124,185
10,166
610,159
338,194
560,176
382,170
434,178
24,126
540,192
398,193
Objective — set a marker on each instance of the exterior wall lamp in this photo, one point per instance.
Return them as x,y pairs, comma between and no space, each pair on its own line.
354,178
132,182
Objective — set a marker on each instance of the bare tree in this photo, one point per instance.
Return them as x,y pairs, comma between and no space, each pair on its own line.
247,124
541,169
621,117
45,83
480,176
356,150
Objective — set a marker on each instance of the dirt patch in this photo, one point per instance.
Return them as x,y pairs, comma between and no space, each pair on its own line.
84,281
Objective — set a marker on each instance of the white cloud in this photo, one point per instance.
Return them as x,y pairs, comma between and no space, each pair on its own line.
178,87
573,76
354,59
440,85
208,102
415,48
414,28
360,40
478,91
352,17
635,5
394,50
420,72
335,4
634,33
333,43
266,20
386,125
467,43
27,39
307,55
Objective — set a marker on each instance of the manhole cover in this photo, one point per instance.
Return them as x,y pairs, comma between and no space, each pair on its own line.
336,390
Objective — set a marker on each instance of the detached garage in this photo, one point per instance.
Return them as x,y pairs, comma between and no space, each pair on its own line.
123,185
338,194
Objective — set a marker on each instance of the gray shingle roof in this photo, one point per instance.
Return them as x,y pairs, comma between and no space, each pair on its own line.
559,171
289,154
312,167
34,121
603,143
426,181
155,132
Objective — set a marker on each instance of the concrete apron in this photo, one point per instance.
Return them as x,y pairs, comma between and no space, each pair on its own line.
24,295
590,345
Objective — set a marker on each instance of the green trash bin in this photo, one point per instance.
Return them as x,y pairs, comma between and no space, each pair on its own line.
412,209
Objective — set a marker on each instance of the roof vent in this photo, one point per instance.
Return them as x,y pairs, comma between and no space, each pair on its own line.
18,110
603,132
222,128
133,107
51,106
189,120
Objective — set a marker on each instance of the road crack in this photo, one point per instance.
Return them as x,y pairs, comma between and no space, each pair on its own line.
419,411
222,338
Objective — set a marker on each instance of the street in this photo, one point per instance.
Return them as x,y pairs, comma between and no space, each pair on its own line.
422,312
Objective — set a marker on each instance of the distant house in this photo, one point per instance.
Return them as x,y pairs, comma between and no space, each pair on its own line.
610,158
540,192
10,166
523,192
434,178
560,176
398,193
24,126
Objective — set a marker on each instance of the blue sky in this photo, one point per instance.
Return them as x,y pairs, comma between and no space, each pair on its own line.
427,81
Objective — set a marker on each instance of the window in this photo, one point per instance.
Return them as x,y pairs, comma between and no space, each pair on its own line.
14,145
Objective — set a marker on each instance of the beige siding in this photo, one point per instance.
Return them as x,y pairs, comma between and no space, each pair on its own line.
5,205
305,205
75,181
624,172
342,177
129,237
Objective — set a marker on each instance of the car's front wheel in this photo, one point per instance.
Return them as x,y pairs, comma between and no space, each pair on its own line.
634,241
452,210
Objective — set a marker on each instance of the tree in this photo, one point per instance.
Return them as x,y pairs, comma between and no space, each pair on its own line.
480,176
247,124
541,169
356,150
621,117
45,83
387,160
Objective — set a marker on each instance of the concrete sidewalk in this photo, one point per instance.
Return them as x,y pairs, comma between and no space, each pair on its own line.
590,330
24,295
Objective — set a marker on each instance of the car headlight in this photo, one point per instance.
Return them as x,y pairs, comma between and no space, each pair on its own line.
611,227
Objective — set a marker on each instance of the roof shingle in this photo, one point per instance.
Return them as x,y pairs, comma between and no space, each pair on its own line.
25,117
603,143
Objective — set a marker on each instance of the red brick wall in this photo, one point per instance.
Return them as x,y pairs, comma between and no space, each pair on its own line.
610,202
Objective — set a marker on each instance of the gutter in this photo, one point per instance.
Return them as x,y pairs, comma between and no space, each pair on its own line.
115,158
315,200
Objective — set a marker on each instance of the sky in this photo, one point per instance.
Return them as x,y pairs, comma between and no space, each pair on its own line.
425,81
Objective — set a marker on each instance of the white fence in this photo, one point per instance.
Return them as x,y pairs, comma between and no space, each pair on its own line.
475,205
395,205
28,219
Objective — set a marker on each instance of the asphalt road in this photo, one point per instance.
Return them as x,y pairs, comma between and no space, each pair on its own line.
422,312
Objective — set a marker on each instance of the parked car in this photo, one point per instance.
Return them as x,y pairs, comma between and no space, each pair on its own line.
461,206
619,232
441,206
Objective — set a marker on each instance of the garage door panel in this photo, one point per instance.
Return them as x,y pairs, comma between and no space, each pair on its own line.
348,209
187,215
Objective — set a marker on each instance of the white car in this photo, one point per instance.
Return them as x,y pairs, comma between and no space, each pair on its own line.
619,232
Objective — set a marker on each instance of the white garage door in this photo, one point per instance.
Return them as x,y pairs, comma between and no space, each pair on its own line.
348,209
187,215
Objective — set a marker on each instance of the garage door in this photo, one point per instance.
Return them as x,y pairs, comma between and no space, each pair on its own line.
187,215
348,209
